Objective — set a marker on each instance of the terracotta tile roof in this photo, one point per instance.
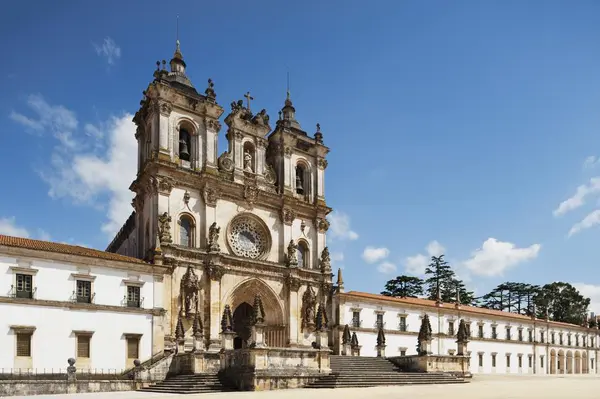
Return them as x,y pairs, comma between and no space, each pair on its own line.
463,308
39,245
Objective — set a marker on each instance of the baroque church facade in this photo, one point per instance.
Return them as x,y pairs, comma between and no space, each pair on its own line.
224,262
250,221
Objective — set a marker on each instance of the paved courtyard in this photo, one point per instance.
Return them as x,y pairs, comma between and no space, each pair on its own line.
482,387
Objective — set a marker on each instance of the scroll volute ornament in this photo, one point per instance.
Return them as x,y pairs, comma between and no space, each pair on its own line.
309,303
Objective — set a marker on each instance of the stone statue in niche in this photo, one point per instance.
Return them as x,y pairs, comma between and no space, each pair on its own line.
309,302
325,260
213,238
248,162
164,227
292,254
190,285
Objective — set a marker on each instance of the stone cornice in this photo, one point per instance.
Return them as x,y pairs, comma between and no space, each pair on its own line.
81,260
80,306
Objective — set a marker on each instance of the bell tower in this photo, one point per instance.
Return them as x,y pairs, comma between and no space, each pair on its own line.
177,130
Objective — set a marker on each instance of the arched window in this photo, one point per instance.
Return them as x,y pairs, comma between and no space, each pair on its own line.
303,256
185,144
186,231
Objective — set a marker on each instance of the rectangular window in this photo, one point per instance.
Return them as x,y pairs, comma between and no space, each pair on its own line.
451,328
520,361
355,319
542,361
379,323
560,339
520,335
480,360
133,296
402,325
83,346
468,327
542,337
23,345
24,287
133,346
592,342
494,334
584,341
530,362
577,340
508,334
84,291
507,360
530,336
480,332
553,338
569,340
403,353
493,360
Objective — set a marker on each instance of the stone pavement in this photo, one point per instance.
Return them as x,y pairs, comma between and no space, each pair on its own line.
482,387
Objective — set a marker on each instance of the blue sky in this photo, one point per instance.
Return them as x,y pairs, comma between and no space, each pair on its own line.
457,127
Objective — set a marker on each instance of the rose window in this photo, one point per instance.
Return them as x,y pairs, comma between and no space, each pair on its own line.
247,238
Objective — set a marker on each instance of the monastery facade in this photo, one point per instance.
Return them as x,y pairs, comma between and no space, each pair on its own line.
227,252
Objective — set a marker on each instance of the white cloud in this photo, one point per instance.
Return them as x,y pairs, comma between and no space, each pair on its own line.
94,166
418,263
9,227
495,257
340,227
25,121
591,162
386,267
373,255
589,221
590,291
578,199
108,50
43,235
434,248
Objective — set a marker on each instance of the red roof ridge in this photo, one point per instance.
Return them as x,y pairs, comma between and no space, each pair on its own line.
68,249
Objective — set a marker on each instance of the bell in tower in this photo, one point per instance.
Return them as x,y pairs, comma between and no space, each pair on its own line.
184,150
299,183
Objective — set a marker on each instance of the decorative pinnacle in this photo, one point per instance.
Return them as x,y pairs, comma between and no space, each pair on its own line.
179,332
227,320
380,337
258,315
354,340
197,327
346,337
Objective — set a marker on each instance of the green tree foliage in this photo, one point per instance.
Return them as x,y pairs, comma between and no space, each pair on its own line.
441,277
511,297
404,287
562,302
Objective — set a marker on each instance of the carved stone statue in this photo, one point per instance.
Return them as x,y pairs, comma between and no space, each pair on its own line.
325,260
261,118
292,254
248,162
190,285
236,106
270,175
309,302
164,227
213,238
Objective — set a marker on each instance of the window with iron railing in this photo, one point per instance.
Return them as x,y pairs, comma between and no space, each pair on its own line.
83,294
402,326
356,319
451,328
133,297
569,340
24,287
520,335
508,336
542,338
553,338
494,333
530,336
379,323
560,339
480,331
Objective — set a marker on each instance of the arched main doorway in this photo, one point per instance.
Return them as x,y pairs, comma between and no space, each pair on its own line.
242,321
552,361
241,300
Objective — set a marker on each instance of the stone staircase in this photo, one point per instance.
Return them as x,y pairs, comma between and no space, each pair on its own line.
188,384
356,371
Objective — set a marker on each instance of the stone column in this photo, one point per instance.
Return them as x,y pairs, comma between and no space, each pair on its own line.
287,215
293,285
214,272
288,170
321,165
164,129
